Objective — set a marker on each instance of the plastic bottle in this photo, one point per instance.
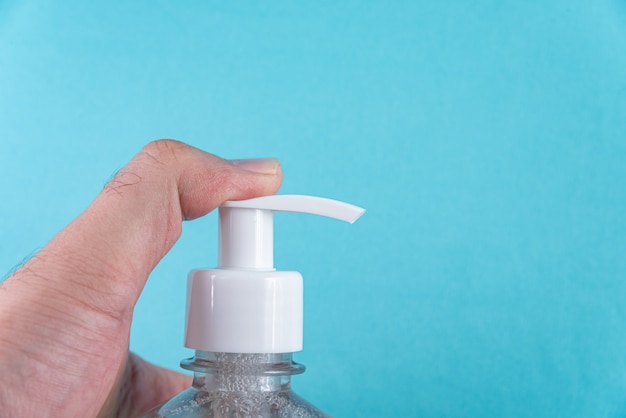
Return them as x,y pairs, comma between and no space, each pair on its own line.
244,319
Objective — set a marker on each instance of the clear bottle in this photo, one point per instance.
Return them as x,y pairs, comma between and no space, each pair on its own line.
229,385
243,308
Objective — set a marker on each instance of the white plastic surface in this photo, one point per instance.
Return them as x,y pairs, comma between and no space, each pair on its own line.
246,238
301,204
245,306
255,312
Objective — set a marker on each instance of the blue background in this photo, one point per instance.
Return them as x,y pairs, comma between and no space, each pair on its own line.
486,139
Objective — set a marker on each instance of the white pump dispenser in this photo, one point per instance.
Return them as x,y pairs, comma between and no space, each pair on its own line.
245,305
244,319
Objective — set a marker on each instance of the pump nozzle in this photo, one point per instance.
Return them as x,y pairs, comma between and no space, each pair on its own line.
245,306
246,239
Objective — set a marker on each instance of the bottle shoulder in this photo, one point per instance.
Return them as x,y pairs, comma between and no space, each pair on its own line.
198,403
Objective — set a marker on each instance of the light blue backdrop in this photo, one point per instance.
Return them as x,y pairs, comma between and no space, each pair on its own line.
486,139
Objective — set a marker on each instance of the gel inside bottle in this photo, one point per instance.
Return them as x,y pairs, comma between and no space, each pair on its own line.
244,319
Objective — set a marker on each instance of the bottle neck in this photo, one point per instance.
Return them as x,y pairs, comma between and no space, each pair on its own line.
237,372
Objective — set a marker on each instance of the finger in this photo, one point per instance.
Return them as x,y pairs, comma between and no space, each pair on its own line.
104,257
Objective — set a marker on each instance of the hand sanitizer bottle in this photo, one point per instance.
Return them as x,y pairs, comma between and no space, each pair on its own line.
244,319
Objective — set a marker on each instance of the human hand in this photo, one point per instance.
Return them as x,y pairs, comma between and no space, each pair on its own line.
66,313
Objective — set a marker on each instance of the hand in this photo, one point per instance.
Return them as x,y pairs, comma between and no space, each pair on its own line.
66,313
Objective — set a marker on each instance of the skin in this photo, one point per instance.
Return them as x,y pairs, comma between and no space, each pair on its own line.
66,313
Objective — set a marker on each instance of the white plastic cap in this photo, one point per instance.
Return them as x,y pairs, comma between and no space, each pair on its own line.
245,306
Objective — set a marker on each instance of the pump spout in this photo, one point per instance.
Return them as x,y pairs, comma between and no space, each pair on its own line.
246,237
